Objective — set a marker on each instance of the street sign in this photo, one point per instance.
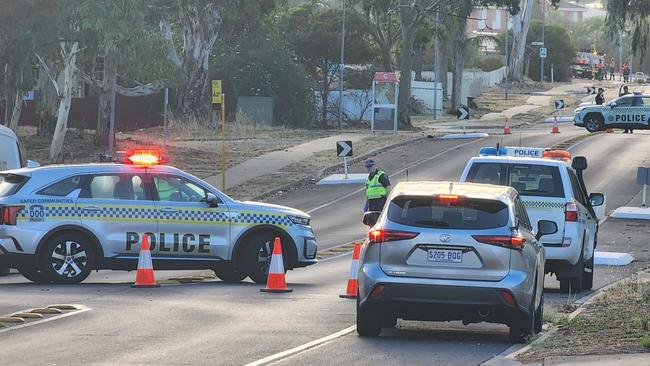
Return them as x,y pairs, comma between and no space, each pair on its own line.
559,104
542,52
591,90
216,92
643,176
344,149
537,43
462,112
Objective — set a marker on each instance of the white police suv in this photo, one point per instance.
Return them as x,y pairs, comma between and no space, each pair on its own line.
57,223
552,190
629,111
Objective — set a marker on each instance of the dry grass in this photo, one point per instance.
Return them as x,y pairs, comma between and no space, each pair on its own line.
617,322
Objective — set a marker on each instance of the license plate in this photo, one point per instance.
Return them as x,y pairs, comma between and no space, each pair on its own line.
443,255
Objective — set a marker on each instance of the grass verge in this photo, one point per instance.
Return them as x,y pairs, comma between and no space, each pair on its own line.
617,322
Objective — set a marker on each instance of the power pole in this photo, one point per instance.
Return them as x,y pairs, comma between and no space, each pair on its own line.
543,44
341,67
507,58
435,67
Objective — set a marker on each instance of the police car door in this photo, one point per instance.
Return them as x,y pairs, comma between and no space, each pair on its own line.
188,228
118,209
620,113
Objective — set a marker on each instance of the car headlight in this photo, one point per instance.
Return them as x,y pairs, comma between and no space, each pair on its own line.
299,220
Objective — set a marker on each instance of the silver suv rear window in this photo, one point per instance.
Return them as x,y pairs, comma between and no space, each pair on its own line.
430,212
527,179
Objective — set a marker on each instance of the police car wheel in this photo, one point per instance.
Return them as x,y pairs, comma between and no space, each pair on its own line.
594,123
229,274
68,258
257,257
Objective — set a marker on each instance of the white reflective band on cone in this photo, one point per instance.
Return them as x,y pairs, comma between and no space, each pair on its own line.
276,264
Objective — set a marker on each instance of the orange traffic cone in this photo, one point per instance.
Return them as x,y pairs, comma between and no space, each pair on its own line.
276,281
556,128
506,128
145,277
610,130
353,288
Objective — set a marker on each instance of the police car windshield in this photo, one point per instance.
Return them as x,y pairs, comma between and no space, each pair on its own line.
466,213
527,179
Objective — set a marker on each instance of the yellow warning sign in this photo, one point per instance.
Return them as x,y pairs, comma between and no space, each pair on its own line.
216,91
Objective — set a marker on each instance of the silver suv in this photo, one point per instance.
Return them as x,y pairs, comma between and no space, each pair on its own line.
452,251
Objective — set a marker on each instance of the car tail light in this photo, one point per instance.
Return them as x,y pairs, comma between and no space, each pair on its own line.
514,241
8,214
571,212
508,298
377,236
376,291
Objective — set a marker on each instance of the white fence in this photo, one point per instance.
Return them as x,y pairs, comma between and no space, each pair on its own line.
357,103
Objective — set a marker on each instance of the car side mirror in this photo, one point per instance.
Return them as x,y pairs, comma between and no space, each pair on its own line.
545,227
32,164
370,218
211,200
579,163
596,199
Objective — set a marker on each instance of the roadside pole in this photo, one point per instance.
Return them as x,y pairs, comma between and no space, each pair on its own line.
507,58
541,80
341,68
223,142
435,67
165,104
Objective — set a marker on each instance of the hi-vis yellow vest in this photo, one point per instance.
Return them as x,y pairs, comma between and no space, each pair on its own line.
374,189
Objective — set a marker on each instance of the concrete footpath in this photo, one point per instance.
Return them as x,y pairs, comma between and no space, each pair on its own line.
274,161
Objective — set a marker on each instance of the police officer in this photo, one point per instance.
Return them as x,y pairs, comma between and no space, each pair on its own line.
600,98
376,187
626,91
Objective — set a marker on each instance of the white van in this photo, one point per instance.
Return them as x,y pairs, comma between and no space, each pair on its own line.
10,154
11,158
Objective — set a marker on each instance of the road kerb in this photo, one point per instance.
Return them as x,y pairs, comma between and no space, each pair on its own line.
27,315
11,319
508,357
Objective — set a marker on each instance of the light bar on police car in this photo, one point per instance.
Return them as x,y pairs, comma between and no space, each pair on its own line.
526,152
144,157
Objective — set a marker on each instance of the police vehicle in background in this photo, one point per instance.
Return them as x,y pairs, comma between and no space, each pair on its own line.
453,251
57,223
550,189
630,111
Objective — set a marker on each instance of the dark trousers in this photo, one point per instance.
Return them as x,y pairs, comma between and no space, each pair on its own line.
376,204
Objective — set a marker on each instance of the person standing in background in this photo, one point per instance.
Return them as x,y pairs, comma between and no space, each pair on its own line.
600,98
612,68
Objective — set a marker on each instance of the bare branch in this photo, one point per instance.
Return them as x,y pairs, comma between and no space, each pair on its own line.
46,68
166,30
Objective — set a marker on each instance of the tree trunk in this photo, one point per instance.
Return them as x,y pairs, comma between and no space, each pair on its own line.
457,77
408,19
104,110
460,44
46,106
15,114
70,64
386,57
200,32
324,94
5,120
417,64
521,24
443,60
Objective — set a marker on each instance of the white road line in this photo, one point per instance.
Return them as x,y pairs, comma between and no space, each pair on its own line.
304,347
392,175
82,309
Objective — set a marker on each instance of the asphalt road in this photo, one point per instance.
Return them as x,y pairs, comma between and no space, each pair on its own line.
218,323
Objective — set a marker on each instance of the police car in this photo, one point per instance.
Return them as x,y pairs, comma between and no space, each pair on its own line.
550,189
57,223
629,111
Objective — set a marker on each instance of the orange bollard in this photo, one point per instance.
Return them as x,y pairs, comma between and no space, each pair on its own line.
276,282
353,285
556,128
145,278
506,127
